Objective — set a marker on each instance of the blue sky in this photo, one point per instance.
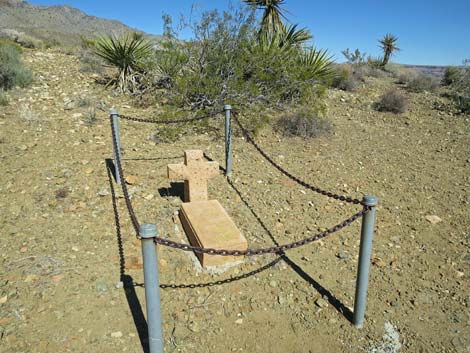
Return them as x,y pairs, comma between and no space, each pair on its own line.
432,32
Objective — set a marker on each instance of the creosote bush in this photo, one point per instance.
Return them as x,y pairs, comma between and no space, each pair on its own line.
422,82
344,79
12,71
305,123
392,101
230,62
451,75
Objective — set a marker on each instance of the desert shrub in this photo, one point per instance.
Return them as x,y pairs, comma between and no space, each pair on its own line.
304,122
421,83
451,75
12,71
461,89
3,98
344,79
20,38
354,58
228,62
392,101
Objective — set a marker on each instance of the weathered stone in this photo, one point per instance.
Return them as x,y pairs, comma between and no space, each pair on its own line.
208,225
195,172
433,219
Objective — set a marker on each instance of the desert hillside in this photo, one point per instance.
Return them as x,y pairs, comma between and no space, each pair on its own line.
66,251
54,25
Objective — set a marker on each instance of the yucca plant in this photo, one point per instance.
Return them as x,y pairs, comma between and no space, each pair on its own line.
317,64
273,13
126,54
284,42
388,44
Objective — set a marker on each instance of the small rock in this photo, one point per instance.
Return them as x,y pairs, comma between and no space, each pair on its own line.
31,278
149,197
239,321
117,334
342,255
119,285
322,303
273,283
433,219
101,287
377,261
131,179
103,192
4,299
57,278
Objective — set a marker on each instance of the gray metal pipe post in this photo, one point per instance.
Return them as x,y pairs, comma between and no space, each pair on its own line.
147,233
114,115
228,140
362,281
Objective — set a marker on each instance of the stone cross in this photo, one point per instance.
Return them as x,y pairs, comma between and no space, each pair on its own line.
195,171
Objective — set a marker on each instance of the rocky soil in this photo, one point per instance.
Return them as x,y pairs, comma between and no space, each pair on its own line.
66,268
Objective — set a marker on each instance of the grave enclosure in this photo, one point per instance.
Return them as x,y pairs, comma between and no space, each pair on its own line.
214,237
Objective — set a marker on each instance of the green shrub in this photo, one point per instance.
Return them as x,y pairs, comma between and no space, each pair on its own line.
344,79
303,123
228,62
392,101
461,89
451,75
422,82
3,98
12,71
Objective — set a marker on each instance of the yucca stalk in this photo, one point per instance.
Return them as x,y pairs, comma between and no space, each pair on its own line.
125,53
273,13
388,44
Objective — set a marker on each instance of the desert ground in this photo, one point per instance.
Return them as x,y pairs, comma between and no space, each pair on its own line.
69,258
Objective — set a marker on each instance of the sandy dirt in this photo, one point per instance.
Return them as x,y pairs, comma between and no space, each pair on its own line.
63,261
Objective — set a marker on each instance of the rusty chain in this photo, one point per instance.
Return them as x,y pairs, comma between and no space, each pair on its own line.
178,121
117,161
225,252
223,281
289,175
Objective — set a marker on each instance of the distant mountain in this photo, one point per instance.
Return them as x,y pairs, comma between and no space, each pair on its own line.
63,24
431,70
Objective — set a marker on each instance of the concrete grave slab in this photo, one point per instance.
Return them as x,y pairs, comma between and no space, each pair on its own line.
208,225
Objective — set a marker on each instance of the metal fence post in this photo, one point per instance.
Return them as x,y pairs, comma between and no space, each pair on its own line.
362,281
147,233
228,140
114,115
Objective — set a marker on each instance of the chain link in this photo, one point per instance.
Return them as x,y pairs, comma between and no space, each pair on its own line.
271,250
178,121
223,281
130,209
225,252
289,175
